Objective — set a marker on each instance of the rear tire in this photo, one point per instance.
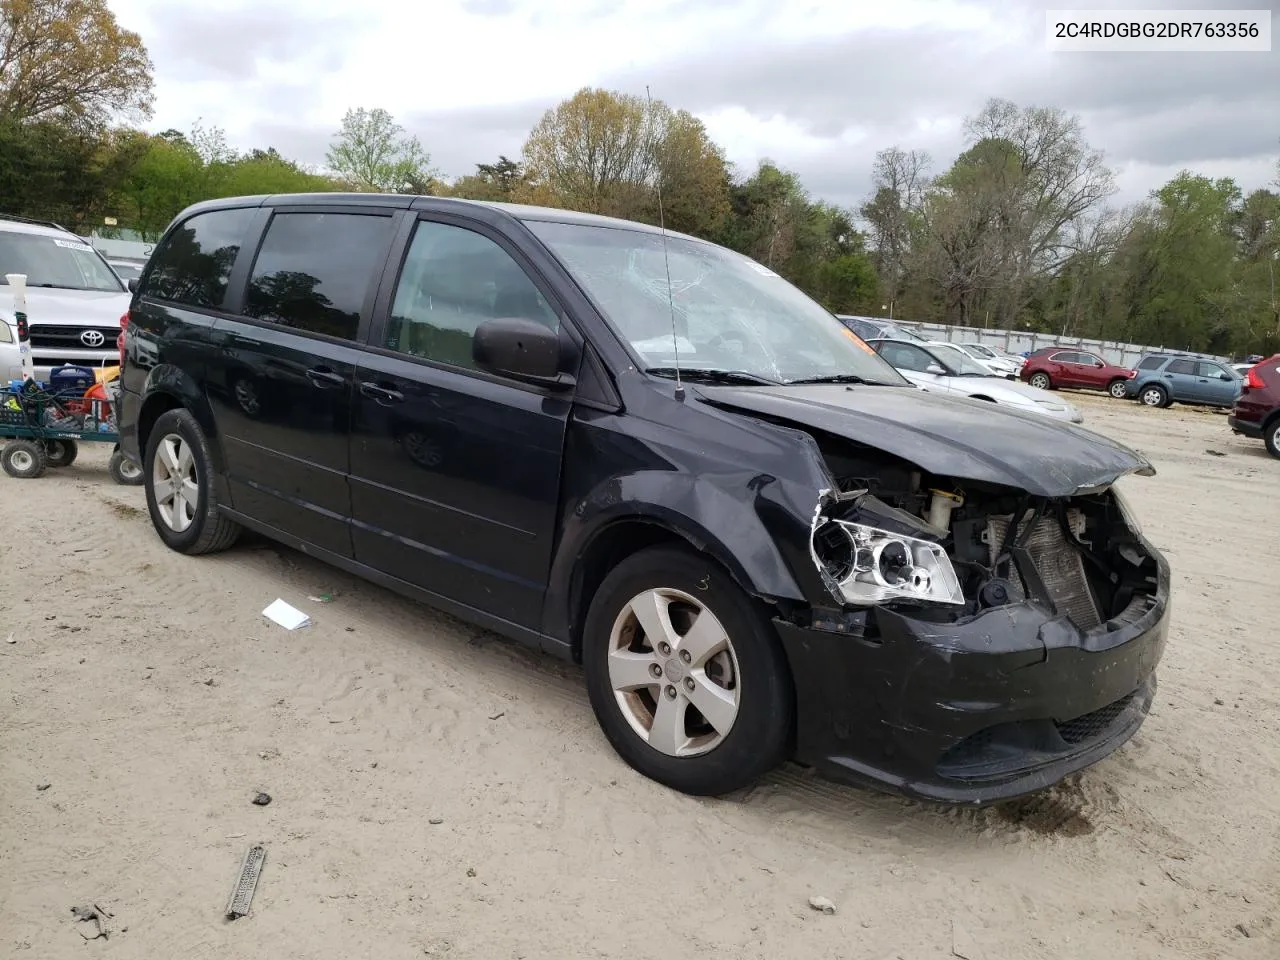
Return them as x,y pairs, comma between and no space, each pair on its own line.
1154,396
1041,381
61,453
1118,389
24,459
179,479
720,708
1271,437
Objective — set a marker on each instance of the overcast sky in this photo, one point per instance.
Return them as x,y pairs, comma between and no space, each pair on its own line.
818,86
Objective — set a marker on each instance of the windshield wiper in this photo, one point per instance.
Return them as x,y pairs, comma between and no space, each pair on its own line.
712,375
844,378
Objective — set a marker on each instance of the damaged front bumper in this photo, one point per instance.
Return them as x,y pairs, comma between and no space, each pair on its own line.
995,706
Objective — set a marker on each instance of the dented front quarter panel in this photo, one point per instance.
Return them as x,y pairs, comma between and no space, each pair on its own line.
743,493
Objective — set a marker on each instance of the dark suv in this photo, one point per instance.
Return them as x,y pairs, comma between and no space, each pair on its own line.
657,457
1257,411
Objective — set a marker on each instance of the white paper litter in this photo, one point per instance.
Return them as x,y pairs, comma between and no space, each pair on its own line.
289,617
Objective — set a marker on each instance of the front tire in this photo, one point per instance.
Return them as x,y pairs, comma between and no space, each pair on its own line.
24,459
685,674
178,476
1041,381
1118,389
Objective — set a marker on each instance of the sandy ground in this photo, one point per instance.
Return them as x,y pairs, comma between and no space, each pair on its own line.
150,695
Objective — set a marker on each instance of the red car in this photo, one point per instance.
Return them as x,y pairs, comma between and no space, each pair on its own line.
1068,367
1257,411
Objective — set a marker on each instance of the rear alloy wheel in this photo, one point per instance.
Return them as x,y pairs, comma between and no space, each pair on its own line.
1041,381
1118,389
685,674
178,476
1272,438
24,459
60,453
1154,396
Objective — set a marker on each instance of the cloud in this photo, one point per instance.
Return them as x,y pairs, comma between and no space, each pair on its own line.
816,85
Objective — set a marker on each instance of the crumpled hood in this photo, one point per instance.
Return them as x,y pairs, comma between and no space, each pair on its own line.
965,439
79,308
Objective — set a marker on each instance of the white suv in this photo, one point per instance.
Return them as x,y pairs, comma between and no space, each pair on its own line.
74,299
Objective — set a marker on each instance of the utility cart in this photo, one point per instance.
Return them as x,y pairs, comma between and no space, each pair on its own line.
42,425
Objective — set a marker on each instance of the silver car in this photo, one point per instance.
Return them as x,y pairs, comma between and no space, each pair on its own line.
955,373
74,299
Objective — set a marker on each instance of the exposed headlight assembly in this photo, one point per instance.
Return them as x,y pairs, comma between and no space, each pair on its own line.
865,565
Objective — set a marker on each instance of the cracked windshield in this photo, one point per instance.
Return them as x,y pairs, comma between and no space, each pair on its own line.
731,314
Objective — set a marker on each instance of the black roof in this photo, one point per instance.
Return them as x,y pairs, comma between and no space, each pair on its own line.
399,201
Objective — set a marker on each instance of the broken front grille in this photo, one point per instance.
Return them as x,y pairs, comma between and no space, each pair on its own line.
1057,561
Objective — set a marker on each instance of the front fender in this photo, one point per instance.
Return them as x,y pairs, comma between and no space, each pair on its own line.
755,524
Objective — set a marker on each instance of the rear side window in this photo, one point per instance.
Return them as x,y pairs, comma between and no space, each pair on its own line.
1182,366
314,271
1150,363
192,265
1066,358
453,280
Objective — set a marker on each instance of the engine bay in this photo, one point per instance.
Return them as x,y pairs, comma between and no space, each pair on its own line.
891,533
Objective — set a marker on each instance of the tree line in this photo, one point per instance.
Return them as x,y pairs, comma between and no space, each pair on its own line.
1019,231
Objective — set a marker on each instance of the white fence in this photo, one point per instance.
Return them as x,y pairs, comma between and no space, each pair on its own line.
1115,351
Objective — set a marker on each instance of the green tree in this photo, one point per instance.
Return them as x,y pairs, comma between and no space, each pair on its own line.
612,153
70,60
373,152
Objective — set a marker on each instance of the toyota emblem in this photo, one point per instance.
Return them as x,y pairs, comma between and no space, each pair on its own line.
92,338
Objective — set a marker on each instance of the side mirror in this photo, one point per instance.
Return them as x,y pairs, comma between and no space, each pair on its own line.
936,370
1225,376
1099,364
520,349
132,284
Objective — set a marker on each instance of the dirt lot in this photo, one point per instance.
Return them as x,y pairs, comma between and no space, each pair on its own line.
148,693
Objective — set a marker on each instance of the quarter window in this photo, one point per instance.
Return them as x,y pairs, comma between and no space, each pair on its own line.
314,271
453,280
192,265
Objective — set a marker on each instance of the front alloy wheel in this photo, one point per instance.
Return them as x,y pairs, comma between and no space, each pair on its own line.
674,673
686,673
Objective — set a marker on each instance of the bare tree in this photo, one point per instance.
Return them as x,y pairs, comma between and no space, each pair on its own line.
1056,179
900,178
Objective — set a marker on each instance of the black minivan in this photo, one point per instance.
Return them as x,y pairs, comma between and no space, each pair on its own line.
657,457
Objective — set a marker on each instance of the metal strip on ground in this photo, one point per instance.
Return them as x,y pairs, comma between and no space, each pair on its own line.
247,882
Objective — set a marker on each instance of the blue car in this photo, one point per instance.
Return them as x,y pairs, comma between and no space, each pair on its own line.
1164,379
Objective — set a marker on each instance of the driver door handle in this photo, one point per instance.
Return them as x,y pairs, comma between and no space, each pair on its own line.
379,393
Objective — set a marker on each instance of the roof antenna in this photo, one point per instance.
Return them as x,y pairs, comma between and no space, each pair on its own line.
662,227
